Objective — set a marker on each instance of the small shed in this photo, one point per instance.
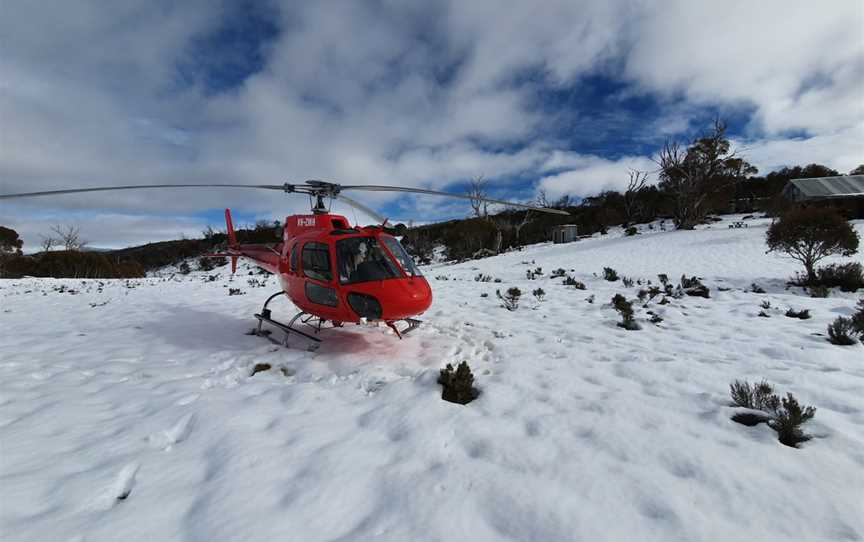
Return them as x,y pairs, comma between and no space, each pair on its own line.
844,191
565,234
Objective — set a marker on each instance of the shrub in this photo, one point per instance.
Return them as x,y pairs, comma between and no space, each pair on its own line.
631,231
803,314
205,263
458,384
69,264
483,278
694,287
757,397
539,293
234,291
849,277
260,368
628,282
811,234
785,416
788,420
610,274
570,281
819,291
511,298
858,319
560,272
184,268
625,309
842,331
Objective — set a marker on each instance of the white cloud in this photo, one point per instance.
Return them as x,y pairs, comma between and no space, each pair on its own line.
590,175
429,94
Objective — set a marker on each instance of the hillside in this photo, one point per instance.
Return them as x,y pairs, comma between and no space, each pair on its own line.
130,409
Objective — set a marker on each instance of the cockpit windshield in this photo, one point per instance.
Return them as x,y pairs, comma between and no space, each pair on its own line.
405,259
362,259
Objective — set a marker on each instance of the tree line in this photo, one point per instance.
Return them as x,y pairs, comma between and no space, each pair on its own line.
703,177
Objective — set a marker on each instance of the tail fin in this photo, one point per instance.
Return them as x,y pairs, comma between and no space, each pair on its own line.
232,238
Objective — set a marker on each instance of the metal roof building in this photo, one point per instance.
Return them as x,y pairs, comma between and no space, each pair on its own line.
822,188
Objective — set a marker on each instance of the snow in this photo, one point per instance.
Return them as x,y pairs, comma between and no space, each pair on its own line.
127,409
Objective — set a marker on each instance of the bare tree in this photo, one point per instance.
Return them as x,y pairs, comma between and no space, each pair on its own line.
632,204
47,242
691,176
479,189
69,236
527,218
542,198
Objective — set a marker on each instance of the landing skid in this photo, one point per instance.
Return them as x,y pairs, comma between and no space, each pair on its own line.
412,325
314,323
288,329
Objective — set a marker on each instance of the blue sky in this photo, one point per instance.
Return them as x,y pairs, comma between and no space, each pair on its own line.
563,96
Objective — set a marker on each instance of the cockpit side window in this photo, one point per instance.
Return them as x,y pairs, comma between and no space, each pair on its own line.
316,261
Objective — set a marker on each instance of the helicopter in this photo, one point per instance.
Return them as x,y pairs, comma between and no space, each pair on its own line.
331,271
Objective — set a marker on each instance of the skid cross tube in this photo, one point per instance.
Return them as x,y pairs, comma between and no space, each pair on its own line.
288,329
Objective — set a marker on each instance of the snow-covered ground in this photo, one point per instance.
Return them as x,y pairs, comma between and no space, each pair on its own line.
127,409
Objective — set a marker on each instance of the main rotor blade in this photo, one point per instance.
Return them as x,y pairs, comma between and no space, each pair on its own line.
382,188
356,204
285,187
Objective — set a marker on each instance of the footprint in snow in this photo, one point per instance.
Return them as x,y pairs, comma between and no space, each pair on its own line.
175,434
119,490
188,399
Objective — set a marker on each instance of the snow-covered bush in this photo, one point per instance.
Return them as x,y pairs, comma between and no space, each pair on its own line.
849,277
539,294
560,272
570,281
842,331
625,309
184,268
810,235
693,287
819,291
235,291
759,396
483,278
610,274
803,314
458,384
785,415
205,264
260,368
858,319
511,298
631,231
788,420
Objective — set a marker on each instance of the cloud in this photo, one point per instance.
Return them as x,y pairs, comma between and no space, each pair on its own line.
413,94
798,63
590,175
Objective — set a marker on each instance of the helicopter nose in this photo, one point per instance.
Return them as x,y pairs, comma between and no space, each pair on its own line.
411,298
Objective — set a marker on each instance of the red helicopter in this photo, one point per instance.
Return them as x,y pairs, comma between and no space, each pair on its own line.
332,271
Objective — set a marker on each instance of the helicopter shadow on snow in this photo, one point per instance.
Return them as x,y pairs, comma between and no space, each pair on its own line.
195,329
